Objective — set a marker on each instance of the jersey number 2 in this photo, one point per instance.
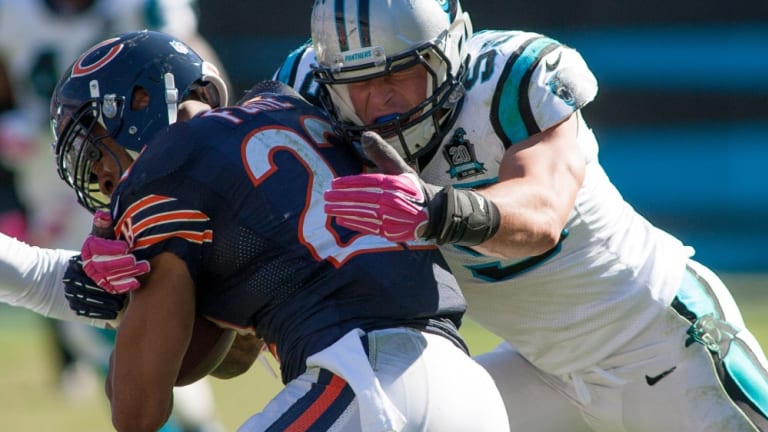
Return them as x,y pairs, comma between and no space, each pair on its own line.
315,230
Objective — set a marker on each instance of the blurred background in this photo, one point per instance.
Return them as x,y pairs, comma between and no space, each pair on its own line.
681,116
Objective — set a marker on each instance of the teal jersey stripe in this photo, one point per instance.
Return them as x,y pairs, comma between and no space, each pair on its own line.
477,184
287,71
696,297
511,119
741,365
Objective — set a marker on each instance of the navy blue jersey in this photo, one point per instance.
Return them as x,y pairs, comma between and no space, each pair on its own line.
237,193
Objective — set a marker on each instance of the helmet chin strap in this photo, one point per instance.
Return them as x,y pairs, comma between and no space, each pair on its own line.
220,98
171,97
95,93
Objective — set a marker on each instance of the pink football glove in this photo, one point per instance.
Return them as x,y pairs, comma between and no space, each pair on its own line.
390,206
108,262
399,206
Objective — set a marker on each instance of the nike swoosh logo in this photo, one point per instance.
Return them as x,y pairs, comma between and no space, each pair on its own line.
654,379
550,66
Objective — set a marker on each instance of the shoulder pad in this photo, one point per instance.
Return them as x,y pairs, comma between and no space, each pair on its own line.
537,82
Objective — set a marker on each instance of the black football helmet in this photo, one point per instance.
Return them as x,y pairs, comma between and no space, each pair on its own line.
94,99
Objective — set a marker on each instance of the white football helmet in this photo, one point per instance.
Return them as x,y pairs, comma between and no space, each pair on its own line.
361,40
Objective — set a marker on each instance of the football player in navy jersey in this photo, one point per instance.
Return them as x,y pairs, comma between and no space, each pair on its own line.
38,40
609,323
228,209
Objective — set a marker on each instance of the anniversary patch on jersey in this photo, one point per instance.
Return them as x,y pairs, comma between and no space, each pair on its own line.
460,154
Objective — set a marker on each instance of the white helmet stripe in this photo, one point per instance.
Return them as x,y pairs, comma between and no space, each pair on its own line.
364,22
361,10
341,28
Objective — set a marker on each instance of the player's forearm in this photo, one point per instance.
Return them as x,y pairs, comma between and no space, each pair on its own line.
540,178
530,224
150,345
31,278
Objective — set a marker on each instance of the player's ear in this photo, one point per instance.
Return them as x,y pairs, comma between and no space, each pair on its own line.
139,99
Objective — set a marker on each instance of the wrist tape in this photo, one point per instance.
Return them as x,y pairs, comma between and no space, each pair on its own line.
461,216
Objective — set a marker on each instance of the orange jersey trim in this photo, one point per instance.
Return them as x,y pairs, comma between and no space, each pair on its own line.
319,406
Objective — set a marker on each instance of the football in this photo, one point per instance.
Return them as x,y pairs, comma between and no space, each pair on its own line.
207,348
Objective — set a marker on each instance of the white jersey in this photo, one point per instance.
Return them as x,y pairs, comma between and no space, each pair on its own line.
30,277
613,272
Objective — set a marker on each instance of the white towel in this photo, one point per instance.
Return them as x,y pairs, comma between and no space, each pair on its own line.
346,358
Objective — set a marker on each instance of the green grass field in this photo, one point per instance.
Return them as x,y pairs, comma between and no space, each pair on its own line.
30,401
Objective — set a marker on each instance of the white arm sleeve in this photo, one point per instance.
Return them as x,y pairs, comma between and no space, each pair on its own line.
30,277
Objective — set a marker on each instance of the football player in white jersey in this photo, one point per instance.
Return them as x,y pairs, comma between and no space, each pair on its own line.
609,323
31,278
38,41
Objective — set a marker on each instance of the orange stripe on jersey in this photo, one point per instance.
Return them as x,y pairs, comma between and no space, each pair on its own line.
168,217
272,347
319,406
140,205
195,237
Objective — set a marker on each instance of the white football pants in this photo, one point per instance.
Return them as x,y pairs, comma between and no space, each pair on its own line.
696,369
419,382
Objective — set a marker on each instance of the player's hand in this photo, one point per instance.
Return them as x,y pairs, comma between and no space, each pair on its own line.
108,262
395,204
86,298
